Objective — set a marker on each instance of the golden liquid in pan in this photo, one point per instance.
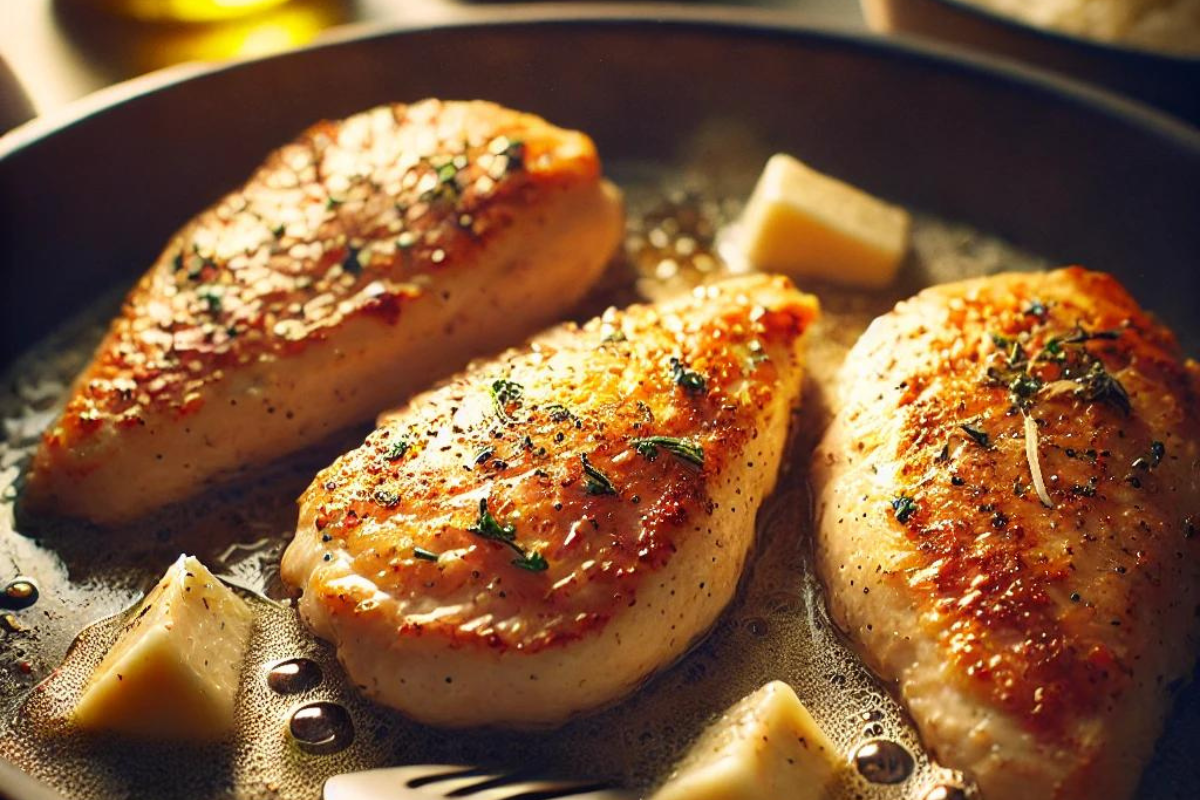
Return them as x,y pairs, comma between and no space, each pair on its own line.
776,628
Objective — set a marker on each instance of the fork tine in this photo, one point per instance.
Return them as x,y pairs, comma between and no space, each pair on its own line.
400,783
457,781
461,785
544,789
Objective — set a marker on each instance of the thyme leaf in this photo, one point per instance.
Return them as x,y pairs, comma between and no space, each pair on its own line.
490,528
690,452
386,498
558,412
978,434
397,450
903,507
425,555
533,562
690,380
595,481
505,393
1099,385
1036,308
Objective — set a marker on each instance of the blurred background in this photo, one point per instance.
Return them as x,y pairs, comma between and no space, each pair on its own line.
53,52
57,51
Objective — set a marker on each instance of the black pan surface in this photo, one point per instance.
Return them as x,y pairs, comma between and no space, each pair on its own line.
1059,169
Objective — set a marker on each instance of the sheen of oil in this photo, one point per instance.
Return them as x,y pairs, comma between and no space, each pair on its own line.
776,628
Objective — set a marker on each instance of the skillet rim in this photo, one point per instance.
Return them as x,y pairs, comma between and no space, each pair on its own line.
749,23
753,23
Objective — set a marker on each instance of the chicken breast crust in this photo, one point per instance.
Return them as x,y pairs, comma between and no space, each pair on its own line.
538,535
1036,634
306,300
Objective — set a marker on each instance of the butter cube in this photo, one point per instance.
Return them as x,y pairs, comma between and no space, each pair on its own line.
174,671
766,747
809,225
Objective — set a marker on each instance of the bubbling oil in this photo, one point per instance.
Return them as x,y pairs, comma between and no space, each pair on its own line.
777,627
294,676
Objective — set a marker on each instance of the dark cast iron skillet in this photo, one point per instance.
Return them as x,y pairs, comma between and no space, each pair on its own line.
1077,175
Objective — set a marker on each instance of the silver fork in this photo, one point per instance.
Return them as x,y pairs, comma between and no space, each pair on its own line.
425,781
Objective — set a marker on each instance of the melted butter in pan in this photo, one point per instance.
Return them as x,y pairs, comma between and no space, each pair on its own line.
776,629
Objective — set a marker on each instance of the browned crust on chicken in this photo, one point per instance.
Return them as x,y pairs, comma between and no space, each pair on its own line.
344,222
700,373
1068,614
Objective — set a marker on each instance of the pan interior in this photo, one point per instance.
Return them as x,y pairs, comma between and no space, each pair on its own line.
776,629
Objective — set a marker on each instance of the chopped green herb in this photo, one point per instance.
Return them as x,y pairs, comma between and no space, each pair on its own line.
1053,350
447,173
1036,308
1080,335
332,202
488,527
504,394
1098,385
397,450
425,555
484,453
1024,386
595,481
903,507
978,434
558,412
386,498
1073,360
1014,375
212,297
1016,355
688,451
533,562
690,380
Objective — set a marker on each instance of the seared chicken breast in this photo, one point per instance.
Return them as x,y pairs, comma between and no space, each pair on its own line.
1007,510
361,262
538,535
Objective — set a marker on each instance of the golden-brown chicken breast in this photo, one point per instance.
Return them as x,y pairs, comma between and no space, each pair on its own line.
535,537
360,262
1007,511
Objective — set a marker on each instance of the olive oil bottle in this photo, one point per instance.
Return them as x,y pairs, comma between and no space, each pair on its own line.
184,10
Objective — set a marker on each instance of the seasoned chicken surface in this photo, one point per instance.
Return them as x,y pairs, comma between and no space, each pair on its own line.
535,537
361,262
1007,510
